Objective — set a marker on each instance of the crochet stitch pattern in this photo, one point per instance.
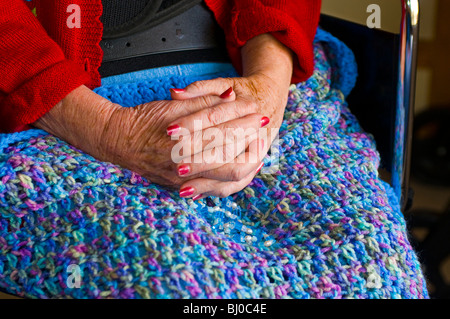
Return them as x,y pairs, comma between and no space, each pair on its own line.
335,228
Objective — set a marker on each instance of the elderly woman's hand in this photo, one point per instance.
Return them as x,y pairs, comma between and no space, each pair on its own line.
134,138
262,92
137,138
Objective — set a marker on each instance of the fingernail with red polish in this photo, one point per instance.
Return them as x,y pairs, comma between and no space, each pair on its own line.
187,191
197,197
259,167
178,91
183,170
173,129
264,121
227,93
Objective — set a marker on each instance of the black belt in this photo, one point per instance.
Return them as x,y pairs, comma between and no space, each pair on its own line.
190,37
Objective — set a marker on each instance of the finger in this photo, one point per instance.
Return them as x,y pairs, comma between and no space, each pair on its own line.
240,131
214,116
187,108
235,167
219,87
196,165
203,187
181,94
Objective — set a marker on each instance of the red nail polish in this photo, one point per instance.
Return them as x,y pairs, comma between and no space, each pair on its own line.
183,170
187,191
259,167
197,197
171,130
178,91
227,93
264,121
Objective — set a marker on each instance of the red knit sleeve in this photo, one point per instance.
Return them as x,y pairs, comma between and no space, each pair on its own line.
35,73
292,22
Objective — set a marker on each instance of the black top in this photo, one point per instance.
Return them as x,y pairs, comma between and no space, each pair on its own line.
143,34
121,17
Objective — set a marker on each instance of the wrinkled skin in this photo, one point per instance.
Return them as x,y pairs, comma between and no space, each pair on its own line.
137,138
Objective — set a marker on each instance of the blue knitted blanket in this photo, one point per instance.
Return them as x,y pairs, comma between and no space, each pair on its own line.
323,225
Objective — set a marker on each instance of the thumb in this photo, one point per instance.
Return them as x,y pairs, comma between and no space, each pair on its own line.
220,87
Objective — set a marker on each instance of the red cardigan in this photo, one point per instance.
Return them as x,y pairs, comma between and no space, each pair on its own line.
42,60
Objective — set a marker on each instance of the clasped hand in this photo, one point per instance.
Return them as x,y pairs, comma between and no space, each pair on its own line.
208,141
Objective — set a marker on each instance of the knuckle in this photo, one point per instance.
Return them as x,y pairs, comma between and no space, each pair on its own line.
248,107
236,173
230,152
223,192
196,85
222,80
206,100
237,113
252,106
212,116
175,181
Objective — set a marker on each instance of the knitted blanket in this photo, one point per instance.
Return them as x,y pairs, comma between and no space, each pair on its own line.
323,225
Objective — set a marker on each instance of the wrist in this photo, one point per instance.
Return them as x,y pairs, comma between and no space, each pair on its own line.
265,55
79,119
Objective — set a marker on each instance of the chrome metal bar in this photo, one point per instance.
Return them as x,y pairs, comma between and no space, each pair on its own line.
409,38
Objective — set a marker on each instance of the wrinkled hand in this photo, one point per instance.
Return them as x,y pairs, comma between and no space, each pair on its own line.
135,138
262,91
142,145
259,103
